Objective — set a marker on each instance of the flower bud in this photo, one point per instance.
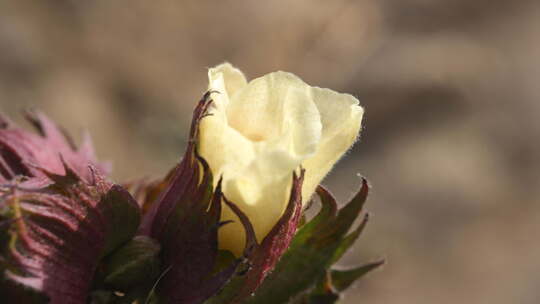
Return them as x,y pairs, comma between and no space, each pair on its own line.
257,133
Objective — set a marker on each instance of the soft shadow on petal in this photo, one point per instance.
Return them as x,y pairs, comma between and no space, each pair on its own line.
222,146
266,204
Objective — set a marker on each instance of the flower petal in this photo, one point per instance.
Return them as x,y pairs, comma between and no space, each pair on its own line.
341,116
275,108
222,146
227,80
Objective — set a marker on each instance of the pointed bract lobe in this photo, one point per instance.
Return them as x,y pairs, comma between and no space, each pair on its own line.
23,153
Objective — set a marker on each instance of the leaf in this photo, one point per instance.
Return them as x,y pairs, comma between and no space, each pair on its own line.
349,240
332,230
135,263
343,279
10,290
326,214
122,215
322,293
102,297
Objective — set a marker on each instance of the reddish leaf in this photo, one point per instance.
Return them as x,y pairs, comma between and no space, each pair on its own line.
64,216
181,182
63,229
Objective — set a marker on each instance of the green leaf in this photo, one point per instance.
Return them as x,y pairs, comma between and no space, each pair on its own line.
135,262
332,230
224,259
123,214
323,299
323,293
349,240
102,297
343,279
326,214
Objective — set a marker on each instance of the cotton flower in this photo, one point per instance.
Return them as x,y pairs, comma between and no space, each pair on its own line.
257,133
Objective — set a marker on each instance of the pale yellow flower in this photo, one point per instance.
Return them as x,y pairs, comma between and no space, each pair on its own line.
259,132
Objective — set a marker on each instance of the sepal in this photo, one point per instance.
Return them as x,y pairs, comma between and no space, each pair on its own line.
137,262
185,220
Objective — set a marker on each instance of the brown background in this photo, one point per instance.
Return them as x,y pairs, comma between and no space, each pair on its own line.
450,87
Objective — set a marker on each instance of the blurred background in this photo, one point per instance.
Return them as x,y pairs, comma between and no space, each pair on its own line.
451,133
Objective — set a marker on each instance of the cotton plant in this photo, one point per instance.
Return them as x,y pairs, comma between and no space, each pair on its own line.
226,225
